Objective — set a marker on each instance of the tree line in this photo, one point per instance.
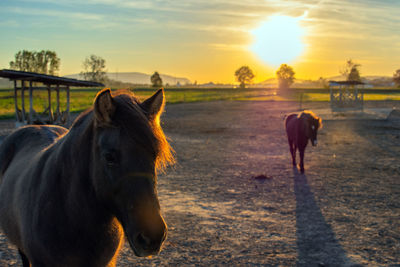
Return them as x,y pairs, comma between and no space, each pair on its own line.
94,69
286,75
47,62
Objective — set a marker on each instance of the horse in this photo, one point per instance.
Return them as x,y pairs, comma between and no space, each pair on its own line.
299,129
71,197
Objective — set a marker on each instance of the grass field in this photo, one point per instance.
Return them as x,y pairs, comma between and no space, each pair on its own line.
82,99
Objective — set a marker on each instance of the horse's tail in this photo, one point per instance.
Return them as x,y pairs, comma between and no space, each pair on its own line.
285,116
288,118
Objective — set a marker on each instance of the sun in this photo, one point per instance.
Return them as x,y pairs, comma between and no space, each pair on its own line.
278,40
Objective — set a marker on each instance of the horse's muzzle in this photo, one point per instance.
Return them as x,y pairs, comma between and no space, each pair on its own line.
148,243
314,142
144,246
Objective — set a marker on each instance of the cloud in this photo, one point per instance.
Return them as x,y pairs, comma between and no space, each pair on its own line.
228,47
9,23
53,13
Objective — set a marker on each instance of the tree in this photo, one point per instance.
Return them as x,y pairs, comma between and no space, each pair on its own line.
323,82
396,77
351,71
285,75
156,80
45,62
94,69
244,75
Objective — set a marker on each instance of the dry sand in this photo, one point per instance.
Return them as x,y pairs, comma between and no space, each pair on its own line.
345,210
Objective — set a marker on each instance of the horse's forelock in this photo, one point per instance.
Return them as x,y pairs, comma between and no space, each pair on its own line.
311,115
320,123
131,117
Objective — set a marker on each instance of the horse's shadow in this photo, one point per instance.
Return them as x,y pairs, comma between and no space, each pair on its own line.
316,242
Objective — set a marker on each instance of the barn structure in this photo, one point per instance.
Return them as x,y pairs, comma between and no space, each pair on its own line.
28,82
346,95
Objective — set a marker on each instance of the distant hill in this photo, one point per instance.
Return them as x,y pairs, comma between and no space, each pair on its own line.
371,80
138,78
298,83
142,78
125,77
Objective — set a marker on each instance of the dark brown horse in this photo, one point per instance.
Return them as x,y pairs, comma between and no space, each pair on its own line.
67,198
299,129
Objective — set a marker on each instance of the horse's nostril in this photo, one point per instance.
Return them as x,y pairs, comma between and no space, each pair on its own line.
150,244
143,241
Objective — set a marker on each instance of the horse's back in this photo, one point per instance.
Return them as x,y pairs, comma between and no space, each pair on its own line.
290,125
18,153
27,141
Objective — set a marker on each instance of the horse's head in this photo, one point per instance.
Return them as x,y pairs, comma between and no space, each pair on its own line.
128,148
312,124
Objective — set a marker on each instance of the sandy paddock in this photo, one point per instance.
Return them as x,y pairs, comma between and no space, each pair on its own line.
345,210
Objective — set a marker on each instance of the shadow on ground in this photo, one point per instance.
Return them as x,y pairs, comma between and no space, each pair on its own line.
316,241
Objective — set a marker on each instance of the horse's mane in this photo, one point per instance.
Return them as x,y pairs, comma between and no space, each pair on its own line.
312,115
132,118
146,131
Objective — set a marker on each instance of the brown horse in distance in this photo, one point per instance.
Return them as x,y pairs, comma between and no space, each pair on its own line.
299,129
67,197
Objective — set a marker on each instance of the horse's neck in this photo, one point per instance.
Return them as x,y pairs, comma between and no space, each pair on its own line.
76,144
301,126
73,156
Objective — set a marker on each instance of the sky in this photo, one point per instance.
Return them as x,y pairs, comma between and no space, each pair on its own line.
205,40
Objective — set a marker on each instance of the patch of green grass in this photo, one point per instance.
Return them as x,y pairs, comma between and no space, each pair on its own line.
81,99
381,97
315,97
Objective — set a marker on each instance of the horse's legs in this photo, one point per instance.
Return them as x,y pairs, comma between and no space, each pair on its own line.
24,258
301,150
292,151
294,154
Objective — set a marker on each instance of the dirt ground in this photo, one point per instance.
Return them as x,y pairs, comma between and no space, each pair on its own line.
345,210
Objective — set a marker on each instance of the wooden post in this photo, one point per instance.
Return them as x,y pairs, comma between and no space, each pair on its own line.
58,101
362,98
23,101
16,101
30,103
357,101
301,101
67,109
50,111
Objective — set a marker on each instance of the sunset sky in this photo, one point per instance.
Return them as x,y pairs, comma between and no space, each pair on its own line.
207,40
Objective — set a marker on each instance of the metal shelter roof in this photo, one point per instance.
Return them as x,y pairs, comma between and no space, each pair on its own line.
46,79
336,83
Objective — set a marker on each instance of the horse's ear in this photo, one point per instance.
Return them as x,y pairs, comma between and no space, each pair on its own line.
104,106
154,105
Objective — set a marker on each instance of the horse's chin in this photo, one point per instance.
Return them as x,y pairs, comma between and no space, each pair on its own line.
314,143
139,252
131,237
135,250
